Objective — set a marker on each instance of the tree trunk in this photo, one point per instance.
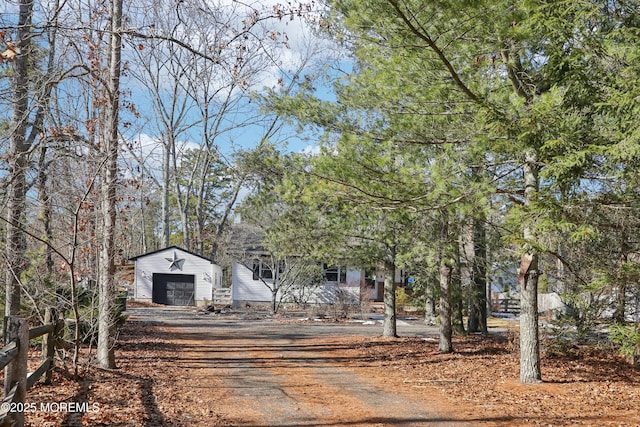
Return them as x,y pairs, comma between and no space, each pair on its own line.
16,328
166,182
475,251
225,217
186,234
621,296
445,343
201,201
106,264
44,213
528,277
389,325
143,221
274,299
457,299
182,197
17,162
621,301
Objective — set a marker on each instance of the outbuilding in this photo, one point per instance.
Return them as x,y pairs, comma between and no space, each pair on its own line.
175,276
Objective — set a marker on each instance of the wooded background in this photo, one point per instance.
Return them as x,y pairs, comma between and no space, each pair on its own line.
471,143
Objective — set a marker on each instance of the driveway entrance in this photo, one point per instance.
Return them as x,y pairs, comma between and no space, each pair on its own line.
286,372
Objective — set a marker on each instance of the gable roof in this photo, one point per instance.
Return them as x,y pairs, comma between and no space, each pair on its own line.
164,249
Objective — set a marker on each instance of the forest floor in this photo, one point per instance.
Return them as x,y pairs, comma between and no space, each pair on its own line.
282,372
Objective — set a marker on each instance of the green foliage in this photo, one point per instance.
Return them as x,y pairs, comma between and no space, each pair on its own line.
446,103
627,338
88,309
402,298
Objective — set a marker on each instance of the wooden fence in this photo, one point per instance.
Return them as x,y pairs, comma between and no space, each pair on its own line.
222,296
510,305
14,357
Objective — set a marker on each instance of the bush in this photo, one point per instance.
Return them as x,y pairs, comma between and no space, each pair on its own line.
628,340
402,299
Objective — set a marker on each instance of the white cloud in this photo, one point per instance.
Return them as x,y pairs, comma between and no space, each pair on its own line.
149,151
312,150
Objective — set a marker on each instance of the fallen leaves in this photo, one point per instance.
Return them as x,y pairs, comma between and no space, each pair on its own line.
592,386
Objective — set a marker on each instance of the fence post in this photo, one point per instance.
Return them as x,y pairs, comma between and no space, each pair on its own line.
17,329
49,341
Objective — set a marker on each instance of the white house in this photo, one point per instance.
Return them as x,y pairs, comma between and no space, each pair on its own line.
174,276
252,277
248,284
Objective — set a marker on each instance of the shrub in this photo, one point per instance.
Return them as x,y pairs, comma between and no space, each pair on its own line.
402,299
628,340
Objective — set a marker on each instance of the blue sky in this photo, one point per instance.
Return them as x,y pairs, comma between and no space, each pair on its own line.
304,48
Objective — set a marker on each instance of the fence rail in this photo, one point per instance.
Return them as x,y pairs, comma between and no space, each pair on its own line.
222,296
510,305
14,358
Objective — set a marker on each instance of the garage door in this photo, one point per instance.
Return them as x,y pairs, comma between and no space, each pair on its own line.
174,289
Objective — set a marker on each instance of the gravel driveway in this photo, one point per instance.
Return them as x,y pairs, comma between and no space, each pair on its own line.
290,372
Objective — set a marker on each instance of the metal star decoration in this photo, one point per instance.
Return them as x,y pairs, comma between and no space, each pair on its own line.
175,262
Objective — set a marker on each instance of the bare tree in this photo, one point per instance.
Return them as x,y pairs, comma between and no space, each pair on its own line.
108,185
18,152
289,278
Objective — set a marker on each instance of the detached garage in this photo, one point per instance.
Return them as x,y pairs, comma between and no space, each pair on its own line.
174,276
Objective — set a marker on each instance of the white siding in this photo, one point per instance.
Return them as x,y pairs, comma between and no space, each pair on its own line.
207,275
217,276
244,288
354,277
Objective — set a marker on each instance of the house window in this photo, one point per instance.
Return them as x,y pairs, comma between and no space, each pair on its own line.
334,273
370,278
261,270
265,271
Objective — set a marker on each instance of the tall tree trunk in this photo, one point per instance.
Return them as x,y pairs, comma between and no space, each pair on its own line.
182,197
475,253
17,159
528,277
457,295
480,275
186,234
465,267
621,296
106,262
143,221
166,182
200,222
225,217
201,202
430,303
445,343
389,325
44,213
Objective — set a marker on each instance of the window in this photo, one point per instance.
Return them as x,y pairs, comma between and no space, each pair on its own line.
265,271
370,278
334,273
261,270
256,270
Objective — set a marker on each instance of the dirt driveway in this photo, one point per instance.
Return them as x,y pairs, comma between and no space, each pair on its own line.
288,372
